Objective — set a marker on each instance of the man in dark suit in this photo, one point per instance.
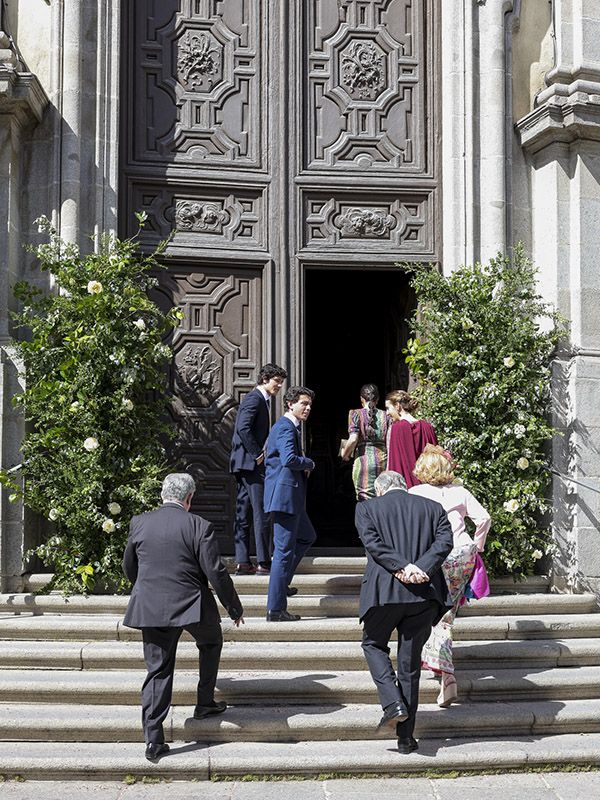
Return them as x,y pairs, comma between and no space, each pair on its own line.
406,538
171,556
285,496
247,464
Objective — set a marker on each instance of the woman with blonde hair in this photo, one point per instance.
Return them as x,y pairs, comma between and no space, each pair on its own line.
407,435
435,470
367,432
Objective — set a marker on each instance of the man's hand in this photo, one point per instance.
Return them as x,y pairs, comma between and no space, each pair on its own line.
411,574
239,621
259,459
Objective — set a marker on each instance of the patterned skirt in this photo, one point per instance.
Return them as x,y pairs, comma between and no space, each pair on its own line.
370,461
457,569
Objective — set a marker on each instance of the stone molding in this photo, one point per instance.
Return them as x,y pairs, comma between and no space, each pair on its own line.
565,117
21,96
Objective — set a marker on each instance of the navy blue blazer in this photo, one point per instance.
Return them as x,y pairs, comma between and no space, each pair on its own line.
285,479
250,432
399,529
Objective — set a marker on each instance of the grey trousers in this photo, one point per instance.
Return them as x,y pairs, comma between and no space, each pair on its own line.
160,648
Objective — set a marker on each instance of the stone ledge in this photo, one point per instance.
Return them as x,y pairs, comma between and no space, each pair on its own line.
21,95
561,120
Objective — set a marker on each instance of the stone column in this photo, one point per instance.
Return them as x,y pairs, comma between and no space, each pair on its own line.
474,129
561,138
22,102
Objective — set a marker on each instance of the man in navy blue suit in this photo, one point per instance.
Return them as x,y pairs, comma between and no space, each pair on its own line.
247,464
287,471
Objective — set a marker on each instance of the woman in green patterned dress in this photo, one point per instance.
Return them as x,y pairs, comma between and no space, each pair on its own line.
367,432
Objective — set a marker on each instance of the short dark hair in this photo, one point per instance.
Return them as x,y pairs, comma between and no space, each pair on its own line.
293,395
268,371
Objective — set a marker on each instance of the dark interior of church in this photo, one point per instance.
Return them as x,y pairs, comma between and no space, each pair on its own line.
355,330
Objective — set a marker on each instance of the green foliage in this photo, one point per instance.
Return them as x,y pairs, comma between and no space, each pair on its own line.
94,364
482,347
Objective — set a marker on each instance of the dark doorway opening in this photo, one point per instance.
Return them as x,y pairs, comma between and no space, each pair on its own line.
355,329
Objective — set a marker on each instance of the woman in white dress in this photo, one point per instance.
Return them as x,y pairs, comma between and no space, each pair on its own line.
434,469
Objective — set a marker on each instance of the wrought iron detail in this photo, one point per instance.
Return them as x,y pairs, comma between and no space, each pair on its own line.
363,70
207,217
365,222
197,60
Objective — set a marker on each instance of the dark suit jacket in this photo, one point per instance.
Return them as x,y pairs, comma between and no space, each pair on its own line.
171,556
396,531
250,432
285,479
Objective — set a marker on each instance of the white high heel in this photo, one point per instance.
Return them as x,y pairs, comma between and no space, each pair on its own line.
448,690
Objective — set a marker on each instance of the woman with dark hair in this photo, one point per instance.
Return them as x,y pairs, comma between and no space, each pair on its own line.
367,431
407,435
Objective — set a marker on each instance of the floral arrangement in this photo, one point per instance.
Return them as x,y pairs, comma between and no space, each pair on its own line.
94,362
482,348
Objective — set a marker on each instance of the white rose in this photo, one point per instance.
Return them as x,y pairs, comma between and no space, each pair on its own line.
140,324
94,287
509,361
53,514
127,404
523,463
108,526
75,406
537,554
91,443
511,506
114,509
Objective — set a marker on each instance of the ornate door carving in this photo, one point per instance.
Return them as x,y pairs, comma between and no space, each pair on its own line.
267,138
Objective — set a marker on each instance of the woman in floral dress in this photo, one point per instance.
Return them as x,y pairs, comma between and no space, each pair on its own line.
407,435
367,431
434,469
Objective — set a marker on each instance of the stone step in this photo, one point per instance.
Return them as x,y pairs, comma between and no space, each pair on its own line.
297,723
305,604
294,655
275,688
83,761
331,566
110,627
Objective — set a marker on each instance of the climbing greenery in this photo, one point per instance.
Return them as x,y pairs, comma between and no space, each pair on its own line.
93,357
482,349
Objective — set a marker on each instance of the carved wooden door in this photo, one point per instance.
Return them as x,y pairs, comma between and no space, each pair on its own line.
270,137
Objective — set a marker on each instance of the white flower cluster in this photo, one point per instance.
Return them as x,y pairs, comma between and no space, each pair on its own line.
91,444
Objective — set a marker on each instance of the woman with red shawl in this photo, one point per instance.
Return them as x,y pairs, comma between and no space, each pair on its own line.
407,436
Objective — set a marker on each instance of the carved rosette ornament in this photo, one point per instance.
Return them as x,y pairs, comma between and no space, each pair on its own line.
365,222
363,71
198,61
200,217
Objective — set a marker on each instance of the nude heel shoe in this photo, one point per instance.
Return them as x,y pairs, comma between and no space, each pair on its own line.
448,690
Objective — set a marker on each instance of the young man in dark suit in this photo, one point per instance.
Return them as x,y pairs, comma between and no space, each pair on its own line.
171,557
247,464
285,496
406,539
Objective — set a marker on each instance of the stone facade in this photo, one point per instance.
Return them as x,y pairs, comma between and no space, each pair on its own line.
516,157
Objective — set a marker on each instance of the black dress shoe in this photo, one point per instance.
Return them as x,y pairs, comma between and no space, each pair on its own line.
206,711
406,745
281,616
291,591
263,568
395,712
155,751
245,569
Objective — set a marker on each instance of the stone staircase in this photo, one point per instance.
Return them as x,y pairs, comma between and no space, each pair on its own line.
301,699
